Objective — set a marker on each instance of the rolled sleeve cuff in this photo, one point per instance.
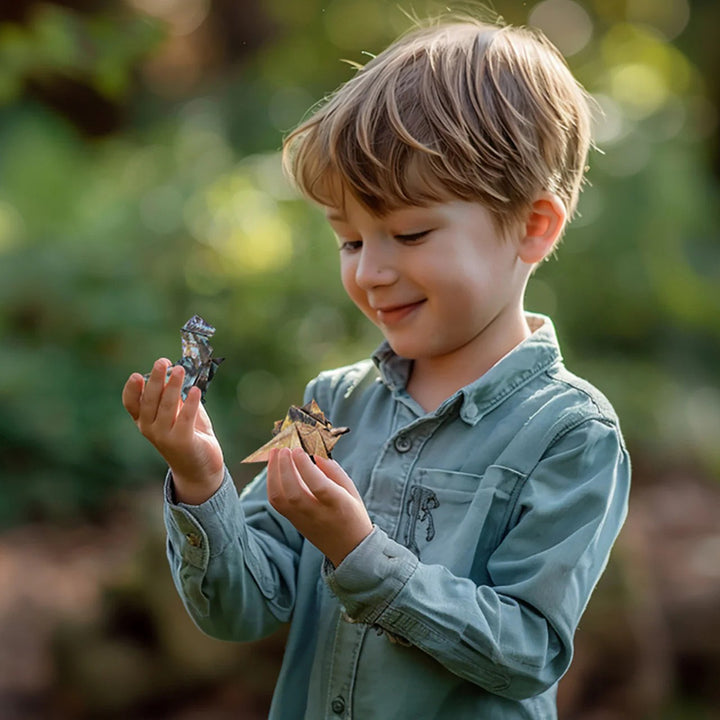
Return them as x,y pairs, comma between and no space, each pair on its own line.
199,532
371,576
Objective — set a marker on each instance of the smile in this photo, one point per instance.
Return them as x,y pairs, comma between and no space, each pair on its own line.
395,313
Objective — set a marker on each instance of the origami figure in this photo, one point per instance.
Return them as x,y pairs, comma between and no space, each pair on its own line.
305,427
197,359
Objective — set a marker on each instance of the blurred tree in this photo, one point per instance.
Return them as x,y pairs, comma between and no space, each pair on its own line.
140,183
76,57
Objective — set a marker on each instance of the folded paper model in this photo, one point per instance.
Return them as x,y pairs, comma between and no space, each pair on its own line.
197,359
305,427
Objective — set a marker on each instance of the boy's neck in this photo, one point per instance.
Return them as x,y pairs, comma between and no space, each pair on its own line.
433,380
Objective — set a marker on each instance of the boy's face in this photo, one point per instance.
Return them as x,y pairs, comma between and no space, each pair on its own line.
436,280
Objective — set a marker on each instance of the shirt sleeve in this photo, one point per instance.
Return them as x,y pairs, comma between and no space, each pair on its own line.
514,636
233,560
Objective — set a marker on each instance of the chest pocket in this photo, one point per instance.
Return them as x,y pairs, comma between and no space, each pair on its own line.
456,519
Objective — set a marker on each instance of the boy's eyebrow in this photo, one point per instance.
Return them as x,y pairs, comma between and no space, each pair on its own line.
335,215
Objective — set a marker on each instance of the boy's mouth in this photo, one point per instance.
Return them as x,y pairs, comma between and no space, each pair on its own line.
391,314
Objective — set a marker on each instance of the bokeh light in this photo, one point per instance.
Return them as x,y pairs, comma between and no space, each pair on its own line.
670,17
609,124
12,227
567,24
639,87
182,16
242,224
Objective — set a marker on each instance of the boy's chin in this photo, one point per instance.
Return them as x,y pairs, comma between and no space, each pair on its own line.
401,349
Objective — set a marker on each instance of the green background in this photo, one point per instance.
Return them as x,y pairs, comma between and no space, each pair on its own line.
140,183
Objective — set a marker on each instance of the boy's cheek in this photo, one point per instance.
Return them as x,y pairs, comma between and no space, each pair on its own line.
357,295
348,282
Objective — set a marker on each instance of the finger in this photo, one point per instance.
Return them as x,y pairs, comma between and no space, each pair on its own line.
131,394
170,399
187,416
293,486
335,472
153,391
313,477
276,497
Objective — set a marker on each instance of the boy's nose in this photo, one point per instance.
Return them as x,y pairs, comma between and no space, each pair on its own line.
375,268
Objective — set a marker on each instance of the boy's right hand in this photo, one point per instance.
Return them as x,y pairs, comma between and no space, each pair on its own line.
181,431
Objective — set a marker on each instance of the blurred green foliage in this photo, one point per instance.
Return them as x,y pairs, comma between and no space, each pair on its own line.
102,48
140,183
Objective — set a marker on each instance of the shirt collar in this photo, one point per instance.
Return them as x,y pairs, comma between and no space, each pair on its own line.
530,358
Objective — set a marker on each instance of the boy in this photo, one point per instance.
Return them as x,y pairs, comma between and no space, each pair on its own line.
447,577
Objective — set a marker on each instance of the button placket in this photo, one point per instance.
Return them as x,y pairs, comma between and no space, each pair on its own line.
347,643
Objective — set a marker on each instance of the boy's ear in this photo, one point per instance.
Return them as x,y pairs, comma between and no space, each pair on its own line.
543,228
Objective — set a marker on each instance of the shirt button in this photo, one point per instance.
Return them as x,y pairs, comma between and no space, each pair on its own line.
194,539
338,705
471,411
402,443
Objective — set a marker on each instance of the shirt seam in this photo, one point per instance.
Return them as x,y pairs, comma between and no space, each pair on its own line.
601,414
386,603
512,387
523,476
432,634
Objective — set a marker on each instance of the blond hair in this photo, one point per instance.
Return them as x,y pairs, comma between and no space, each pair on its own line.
455,109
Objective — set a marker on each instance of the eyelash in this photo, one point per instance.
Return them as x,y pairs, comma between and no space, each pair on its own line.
350,245
353,245
412,237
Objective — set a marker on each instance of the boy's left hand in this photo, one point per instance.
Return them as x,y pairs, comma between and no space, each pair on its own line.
320,500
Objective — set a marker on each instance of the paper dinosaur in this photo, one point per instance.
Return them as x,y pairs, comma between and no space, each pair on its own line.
305,427
197,359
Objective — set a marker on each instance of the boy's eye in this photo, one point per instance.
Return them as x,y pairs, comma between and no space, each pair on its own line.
412,237
350,245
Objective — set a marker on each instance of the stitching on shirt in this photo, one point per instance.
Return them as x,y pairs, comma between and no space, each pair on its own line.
334,654
350,682
568,421
405,623
605,413
510,509
510,388
500,680
582,386
579,420
561,433
387,604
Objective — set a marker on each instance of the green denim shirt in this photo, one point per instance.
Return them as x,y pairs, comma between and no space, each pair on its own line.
493,519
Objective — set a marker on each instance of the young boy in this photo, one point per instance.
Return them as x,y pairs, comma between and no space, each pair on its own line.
446,578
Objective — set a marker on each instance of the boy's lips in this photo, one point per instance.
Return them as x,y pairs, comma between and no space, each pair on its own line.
390,314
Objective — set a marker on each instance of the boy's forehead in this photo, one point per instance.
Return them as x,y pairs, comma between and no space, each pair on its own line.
417,190
350,205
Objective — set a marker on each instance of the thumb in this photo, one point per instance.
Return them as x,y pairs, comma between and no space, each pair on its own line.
131,394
